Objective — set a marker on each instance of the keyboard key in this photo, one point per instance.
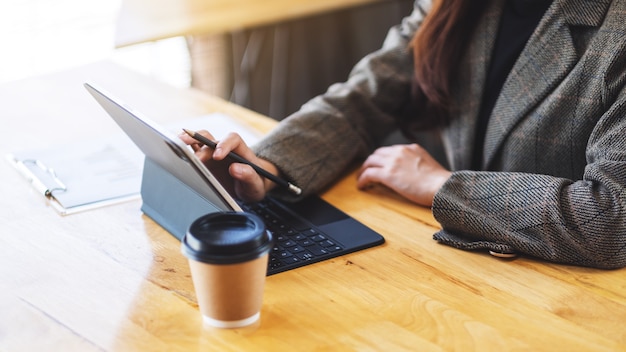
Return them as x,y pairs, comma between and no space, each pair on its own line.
283,254
289,243
275,265
317,250
309,232
296,249
305,256
290,260
306,243
318,238
298,237
326,243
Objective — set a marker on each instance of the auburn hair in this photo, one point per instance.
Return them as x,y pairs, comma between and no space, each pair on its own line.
437,48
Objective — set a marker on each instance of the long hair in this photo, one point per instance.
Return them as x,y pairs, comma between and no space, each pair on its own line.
437,48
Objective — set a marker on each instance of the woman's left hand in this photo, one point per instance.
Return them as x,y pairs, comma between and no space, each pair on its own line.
408,169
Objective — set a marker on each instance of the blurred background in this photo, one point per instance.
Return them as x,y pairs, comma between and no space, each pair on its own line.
39,37
270,69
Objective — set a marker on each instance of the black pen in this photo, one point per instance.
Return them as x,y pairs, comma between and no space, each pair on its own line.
238,158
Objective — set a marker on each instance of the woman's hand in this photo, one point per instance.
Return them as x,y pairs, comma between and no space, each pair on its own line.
408,169
248,185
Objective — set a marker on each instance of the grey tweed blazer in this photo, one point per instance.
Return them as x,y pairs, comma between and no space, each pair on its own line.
552,185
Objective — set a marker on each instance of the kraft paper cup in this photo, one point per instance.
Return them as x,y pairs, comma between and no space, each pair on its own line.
228,255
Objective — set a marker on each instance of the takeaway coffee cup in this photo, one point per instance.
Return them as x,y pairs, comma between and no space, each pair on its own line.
228,254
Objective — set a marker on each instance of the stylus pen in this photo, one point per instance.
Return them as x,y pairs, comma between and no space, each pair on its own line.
238,158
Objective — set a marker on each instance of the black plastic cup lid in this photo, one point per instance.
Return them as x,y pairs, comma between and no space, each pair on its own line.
226,238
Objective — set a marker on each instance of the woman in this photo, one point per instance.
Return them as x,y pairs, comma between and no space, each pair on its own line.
529,98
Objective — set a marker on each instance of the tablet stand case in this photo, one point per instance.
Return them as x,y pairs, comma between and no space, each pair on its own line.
170,202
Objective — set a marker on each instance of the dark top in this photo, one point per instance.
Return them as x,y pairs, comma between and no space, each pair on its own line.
519,20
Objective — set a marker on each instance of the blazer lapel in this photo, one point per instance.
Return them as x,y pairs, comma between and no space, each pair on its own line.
460,133
543,64
545,61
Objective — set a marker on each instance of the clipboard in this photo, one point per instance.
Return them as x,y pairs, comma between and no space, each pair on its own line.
82,176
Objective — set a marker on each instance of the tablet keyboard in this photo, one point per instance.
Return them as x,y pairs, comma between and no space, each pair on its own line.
297,242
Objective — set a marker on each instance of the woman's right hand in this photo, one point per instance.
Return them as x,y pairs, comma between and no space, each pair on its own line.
248,185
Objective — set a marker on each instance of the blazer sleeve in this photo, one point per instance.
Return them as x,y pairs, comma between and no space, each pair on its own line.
313,146
579,222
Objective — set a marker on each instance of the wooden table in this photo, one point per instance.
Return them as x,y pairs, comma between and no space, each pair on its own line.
112,279
146,20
